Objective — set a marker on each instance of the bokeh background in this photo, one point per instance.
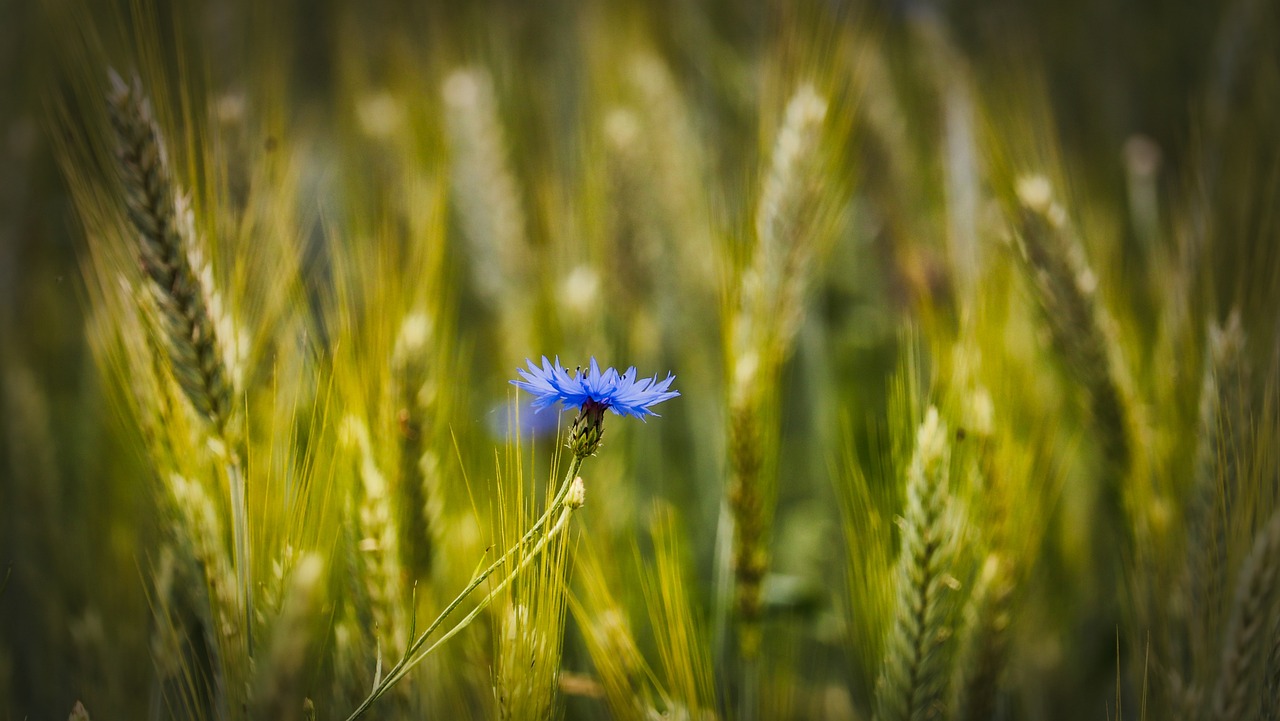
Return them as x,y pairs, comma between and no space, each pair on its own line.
445,189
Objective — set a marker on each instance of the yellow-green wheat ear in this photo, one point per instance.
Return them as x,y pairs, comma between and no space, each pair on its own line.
1247,642
913,680
1206,573
981,663
168,254
281,682
1066,290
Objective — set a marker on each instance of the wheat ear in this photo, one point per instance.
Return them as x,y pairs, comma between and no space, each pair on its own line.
378,544
280,687
486,195
986,648
771,306
1271,695
789,228
198,515
913,679
1247,641
169,255
189,310
415,394
1066,290
1223,414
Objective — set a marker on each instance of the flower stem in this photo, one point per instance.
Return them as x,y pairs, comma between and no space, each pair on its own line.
401,669
412,656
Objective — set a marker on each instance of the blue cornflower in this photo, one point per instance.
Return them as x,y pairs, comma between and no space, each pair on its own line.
592,393
620,393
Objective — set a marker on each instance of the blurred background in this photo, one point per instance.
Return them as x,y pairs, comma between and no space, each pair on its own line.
1055,222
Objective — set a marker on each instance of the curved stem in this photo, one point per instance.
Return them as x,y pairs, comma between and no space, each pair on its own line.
396,675
411,656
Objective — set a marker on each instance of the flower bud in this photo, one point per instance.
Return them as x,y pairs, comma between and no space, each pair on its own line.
577,496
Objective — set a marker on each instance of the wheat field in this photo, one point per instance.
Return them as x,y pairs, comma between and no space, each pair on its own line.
825,359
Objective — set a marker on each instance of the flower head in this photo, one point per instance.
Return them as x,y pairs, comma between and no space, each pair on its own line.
621,393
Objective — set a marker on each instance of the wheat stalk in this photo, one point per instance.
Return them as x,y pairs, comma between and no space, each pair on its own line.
193,325
913,679
199,520
487,197
1246,645
280,686
986,648
169,256
771,306
747,503
415,398
1066,290
1224,412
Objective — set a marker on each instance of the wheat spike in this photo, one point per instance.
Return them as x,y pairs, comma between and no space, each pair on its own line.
169,256
986,649
912,682
1271,695
1247,641
199,518
788,222
485,189
1065,288
787,241
1224,413
378,557
415,398
280,687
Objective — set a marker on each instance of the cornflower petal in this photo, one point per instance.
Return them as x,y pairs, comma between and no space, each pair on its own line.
623,394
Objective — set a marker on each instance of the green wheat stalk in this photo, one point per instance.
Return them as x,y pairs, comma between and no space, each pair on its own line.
1241,683
912,682
788,239
182,291
415,396
1066,290
1224,414
568,498
986,649
530,628
199,521
169,256
281,684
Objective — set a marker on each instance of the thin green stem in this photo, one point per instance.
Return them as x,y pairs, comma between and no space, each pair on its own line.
411,656
749,702
396,674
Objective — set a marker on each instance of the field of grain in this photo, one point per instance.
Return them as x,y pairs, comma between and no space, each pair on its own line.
829,359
